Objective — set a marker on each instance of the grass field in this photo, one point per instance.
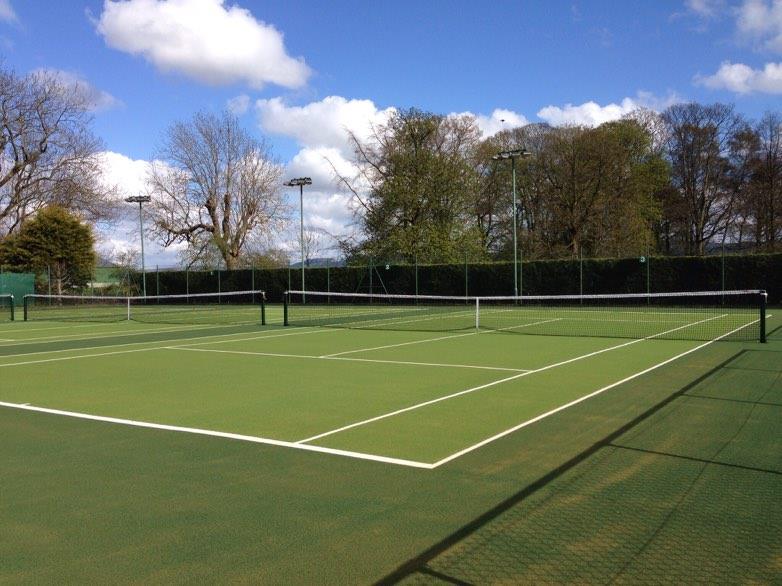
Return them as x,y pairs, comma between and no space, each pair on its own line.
175,453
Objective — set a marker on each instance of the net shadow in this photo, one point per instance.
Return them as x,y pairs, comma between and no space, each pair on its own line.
515,542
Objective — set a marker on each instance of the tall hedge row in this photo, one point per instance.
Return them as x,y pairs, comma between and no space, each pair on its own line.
546,277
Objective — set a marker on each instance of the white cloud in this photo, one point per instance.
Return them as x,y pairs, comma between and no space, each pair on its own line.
760,21
593,114
96,100
587,114
328,205
239,105
128,175
499,119
705,8
743,79
322,124
7,13
206,40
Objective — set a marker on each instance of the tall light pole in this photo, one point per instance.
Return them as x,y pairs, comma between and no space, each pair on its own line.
141,199
300,182
513,155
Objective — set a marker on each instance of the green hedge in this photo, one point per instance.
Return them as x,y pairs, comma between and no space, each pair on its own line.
546,277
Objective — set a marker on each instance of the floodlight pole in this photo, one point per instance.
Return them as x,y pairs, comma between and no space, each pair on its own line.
301,182
513,155
141,199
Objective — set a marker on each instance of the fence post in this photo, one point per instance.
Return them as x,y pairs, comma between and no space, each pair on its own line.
466,278
415,260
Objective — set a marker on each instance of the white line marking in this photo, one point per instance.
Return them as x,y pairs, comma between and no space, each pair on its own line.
398,345
494,383
220,434
579,400
442,338
310,357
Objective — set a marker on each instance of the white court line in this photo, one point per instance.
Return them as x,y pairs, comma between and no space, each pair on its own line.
346,453
158,347
442,338
579,400
220,434
310,357
494,383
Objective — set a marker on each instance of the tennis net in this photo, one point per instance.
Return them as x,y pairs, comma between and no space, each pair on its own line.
703,315
6,307
234,308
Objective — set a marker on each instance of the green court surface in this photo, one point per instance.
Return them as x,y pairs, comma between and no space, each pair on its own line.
164,452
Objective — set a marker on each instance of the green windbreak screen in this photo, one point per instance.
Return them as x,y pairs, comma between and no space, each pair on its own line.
17,284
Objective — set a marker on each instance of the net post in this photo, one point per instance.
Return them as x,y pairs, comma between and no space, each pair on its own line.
763,303
128,304
285,301
477,313
263,308
13,304
25,303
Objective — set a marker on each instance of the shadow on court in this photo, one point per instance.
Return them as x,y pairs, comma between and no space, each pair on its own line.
688,491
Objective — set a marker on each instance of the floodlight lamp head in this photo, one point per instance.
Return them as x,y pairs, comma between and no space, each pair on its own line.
298,182
513,154
138,199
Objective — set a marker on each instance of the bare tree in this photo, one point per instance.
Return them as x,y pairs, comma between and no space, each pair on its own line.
763,202
214,185
706,149
47,153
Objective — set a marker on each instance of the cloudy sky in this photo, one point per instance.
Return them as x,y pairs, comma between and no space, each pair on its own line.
302,72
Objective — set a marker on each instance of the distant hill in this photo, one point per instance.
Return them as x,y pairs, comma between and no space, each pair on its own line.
320,263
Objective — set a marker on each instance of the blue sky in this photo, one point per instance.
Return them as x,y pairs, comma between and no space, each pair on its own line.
300,72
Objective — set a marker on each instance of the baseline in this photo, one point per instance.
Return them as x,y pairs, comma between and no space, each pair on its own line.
220,434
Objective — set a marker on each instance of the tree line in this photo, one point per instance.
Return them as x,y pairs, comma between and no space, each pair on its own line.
678,182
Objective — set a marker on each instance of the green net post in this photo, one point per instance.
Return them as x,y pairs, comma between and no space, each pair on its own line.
415,260
26,303
763,302
187,281
263,309
13,303
285,301
157,279
328,275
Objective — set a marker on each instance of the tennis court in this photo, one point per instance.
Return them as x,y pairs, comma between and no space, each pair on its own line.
397,400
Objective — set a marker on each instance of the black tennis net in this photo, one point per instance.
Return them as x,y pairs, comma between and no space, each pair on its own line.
702,315
6,307
233,308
